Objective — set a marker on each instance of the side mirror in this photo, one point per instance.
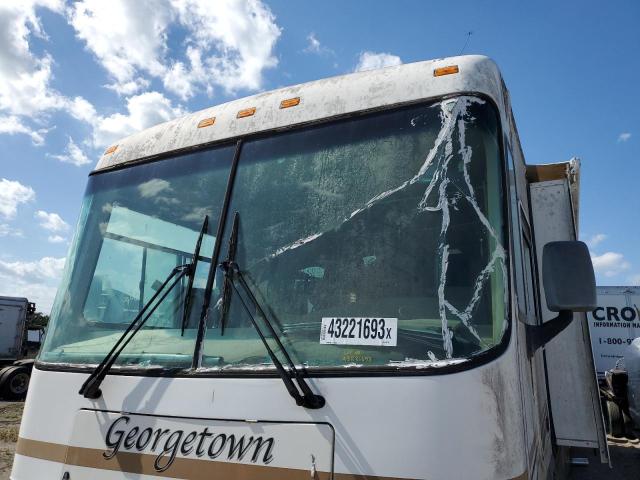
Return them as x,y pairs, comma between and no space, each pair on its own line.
569,286
568,278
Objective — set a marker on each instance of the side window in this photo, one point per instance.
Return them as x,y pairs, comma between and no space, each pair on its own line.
529,276
516,229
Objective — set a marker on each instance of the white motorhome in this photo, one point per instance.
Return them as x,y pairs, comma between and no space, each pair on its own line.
336,280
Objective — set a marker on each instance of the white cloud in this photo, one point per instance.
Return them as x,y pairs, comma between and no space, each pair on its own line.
144,110
595,240
24,78
228,43
635,280
233,41
46,267
73,154
315,46
624,136
13,193
12,125
25,89
371,61
37,280
55,239
81,109
125,36
609,264
153,187
7,230
51,221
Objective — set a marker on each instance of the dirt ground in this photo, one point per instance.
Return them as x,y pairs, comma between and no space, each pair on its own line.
625,460
10,415
625,455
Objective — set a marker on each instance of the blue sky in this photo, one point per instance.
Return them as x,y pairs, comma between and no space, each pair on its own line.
76,76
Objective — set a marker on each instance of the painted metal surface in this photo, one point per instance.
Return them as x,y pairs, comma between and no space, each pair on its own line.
575,402
450,426
319,100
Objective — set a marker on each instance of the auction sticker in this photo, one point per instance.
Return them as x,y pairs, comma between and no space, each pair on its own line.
381,332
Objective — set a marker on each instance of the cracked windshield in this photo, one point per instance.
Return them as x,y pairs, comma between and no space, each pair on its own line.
372,241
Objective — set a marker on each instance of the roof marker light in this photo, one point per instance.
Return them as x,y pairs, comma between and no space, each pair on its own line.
110,150
438,72
247,112
290,102
206,122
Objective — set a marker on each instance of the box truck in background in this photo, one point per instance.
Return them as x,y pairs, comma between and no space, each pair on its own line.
613,325
15,368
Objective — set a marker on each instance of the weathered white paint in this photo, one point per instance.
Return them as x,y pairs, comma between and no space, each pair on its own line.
319,100
462,425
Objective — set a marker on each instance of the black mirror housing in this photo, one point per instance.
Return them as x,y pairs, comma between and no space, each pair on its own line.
568,278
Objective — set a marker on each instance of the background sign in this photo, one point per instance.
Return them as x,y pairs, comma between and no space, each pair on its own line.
614,324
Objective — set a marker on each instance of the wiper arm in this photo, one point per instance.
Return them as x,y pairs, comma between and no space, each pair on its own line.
91,387
226,286
302,394
194,266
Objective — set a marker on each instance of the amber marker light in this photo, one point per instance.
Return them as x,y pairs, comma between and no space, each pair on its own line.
247,112
206,122
451,69
290,102
110,150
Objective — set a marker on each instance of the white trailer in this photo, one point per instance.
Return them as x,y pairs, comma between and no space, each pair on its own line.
614,324
336,280
14,372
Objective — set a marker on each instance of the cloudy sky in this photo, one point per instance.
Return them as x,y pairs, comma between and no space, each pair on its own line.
77,76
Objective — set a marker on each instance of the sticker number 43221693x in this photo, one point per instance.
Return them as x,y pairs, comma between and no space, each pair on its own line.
382,332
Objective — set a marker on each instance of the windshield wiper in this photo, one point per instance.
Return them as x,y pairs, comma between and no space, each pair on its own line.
194,266
91,387
226,286
302,394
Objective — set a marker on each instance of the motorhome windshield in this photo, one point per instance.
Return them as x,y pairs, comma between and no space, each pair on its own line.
371,241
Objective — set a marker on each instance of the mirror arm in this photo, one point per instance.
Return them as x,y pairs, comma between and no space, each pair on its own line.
540,335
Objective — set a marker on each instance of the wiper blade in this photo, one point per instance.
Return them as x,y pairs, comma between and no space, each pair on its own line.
226,286
194,266
91,387
302,394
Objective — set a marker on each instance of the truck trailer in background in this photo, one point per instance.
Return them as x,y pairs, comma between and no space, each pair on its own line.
15,368
614,324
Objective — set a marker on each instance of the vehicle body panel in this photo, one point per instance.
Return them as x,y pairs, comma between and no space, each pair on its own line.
418,423
574,393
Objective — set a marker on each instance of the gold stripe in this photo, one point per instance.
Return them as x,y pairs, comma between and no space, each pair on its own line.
190,468
53,452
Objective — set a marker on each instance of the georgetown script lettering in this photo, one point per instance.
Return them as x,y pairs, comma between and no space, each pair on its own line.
169,443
